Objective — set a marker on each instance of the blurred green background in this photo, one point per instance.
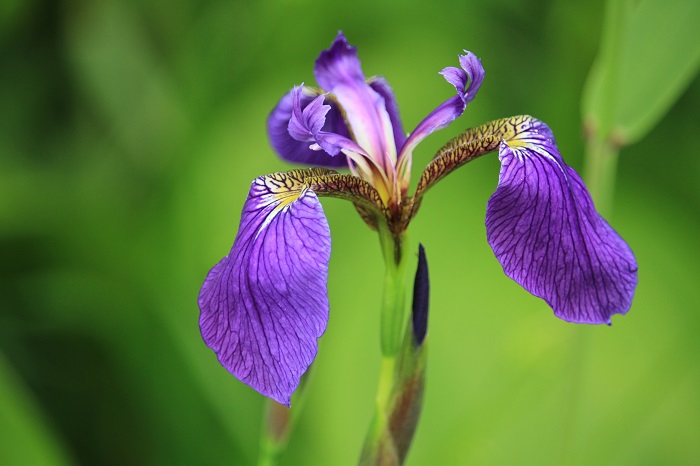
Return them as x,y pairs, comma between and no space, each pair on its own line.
129,134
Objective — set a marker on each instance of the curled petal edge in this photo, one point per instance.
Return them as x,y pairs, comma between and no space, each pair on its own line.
305,125
466,81
298,151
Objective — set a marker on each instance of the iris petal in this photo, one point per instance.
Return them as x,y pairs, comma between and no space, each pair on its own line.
306,124
382,87
547,235
467,82
338,71
265,304
471,64
295,151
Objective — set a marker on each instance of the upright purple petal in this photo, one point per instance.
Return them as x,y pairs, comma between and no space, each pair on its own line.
264,305
547,235
338,71
382,87
466,82
295,151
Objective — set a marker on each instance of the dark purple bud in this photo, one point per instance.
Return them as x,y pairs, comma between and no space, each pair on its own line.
421,298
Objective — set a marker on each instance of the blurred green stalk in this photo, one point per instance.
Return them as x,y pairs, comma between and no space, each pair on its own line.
278,423
599,104
275,432
600,171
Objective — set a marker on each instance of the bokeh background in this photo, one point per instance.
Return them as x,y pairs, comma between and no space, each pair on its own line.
129,134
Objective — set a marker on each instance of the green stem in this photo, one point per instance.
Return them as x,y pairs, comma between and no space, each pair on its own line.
377,450
600,173
387,372
394,299
374,452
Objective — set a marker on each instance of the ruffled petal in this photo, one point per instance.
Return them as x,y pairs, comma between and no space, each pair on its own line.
547,235
296,151
471,64
338,71
466,82
305,125
265,304
307,122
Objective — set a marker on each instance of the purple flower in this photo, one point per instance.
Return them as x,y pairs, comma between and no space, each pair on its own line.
265,304
354,122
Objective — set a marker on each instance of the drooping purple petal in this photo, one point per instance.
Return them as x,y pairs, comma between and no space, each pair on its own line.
338,71
466,82
295,151
547,235
264,305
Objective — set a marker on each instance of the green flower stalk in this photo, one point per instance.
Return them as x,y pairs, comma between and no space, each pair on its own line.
400,398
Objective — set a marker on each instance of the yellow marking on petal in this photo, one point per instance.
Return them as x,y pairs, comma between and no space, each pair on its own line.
515,143
285,198
278,191
282,190
518,132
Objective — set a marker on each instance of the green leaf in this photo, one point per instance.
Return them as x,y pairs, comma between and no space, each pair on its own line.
648,55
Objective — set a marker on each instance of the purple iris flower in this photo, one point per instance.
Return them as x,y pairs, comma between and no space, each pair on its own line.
265,304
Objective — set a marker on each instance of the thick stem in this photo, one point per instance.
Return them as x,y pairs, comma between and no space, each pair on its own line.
394,298
380,447
376,451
